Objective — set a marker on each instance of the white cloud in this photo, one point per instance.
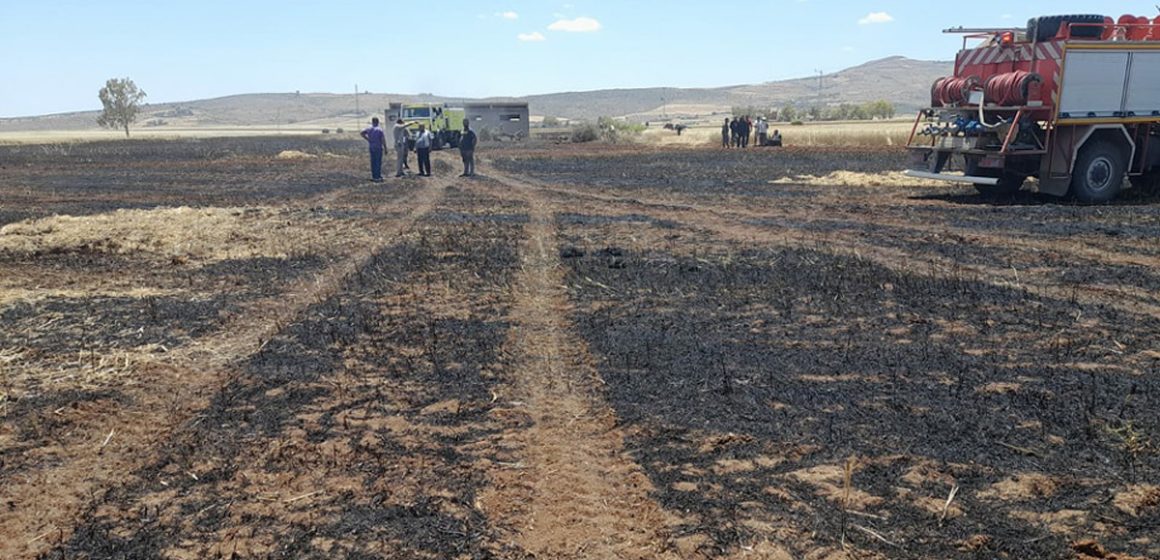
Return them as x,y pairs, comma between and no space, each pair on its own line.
578,25
508,15
533,37
876,17
1006,16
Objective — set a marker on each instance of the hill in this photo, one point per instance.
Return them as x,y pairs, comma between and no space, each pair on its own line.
903,81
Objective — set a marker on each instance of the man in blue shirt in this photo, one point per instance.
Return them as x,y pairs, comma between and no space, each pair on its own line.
377,141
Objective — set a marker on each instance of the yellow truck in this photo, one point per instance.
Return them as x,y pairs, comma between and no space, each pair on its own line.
444,122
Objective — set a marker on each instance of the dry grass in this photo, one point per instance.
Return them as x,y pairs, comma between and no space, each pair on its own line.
855,179
864,133
180,234
161,133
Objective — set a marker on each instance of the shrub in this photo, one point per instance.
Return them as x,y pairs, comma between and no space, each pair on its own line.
326,131
586,132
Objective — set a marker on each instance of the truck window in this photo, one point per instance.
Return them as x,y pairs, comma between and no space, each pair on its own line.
417,113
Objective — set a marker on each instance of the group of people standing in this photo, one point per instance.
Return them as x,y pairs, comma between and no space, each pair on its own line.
377,142
736,133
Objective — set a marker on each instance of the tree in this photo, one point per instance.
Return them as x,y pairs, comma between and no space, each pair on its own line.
122,101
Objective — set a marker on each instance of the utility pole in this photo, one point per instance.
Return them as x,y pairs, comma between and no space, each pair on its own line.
357,113
819,88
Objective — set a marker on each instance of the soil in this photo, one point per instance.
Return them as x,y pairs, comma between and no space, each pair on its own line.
585,352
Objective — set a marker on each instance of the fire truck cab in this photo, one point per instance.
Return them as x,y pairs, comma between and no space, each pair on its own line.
1073,101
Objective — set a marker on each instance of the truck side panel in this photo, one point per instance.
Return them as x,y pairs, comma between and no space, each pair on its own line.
1143,96
1093,84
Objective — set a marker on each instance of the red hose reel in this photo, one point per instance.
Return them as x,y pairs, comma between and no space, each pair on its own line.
952,90
1007,90
1013,88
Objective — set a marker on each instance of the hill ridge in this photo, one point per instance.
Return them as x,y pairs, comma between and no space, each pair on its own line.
901,80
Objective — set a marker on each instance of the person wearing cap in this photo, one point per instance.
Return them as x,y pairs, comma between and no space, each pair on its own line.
399,133
377,142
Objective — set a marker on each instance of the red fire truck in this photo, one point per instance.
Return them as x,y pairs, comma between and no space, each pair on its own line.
1073,101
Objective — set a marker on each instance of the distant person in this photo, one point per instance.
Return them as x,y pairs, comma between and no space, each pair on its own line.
377,142
467,149
744,127
762,132
399,134
423,148
725,133
776,139
735,133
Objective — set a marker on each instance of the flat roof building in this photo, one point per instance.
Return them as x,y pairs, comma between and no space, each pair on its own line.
505,120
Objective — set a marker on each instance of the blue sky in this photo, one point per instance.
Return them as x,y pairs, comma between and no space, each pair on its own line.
57,54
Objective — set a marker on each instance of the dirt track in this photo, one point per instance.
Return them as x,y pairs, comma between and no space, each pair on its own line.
586,353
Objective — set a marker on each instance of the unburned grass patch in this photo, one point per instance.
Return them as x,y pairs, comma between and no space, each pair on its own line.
175,234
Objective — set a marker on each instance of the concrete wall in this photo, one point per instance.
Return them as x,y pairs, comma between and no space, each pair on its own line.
508,120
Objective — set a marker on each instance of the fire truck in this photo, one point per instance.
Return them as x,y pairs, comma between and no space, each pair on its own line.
444,122
1073,101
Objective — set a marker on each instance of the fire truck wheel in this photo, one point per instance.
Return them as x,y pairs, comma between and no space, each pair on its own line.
1099,172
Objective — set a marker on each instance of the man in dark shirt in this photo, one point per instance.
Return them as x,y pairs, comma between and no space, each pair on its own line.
377,142
467,149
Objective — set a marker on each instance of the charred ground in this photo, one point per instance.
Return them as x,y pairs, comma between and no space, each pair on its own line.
213,351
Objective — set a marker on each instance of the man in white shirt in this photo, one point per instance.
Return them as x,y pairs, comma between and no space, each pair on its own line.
762,132
423,148
399,134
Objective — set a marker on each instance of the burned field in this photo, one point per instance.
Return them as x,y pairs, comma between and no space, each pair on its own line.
242,349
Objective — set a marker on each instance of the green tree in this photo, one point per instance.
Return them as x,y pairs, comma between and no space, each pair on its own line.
551,122
122,102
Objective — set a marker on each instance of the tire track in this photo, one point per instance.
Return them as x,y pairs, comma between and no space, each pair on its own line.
575,493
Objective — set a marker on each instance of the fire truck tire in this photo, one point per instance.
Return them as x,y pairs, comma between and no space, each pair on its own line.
1046,27
1099,172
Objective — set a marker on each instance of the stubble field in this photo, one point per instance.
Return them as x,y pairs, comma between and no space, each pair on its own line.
239,348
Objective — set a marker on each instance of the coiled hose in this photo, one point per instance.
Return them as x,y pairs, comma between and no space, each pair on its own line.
1010,89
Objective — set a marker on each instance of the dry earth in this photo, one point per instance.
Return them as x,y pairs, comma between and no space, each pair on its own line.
239,348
